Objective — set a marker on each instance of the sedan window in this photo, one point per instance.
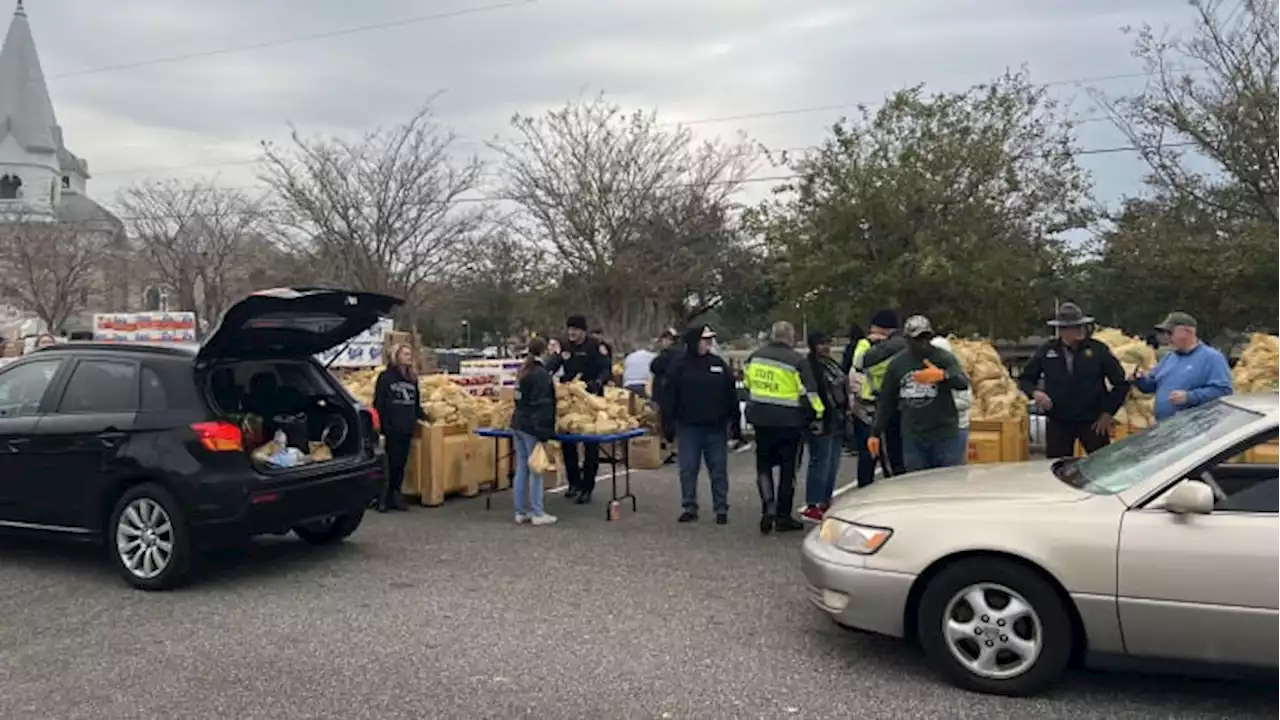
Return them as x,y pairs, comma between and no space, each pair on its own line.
1140,456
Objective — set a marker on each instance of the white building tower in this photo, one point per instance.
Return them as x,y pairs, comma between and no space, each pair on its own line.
36,169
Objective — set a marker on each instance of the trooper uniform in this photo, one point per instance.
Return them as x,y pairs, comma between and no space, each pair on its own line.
782,401
586,361
1085,384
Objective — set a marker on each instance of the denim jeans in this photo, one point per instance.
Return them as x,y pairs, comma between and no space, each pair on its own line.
926,455
694,443
528,484
825,452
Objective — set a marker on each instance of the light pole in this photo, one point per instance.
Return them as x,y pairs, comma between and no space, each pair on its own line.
466,328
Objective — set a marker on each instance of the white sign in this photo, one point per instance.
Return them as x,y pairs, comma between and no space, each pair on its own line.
365,349
150,327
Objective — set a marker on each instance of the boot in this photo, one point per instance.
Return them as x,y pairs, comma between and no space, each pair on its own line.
764,484
787,524
383,501
398,502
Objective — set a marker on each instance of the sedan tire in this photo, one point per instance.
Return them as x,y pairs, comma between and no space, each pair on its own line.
994,626
147,539
331,531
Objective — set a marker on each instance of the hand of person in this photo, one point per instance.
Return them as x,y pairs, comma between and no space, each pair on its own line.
1178,397
1102,426
1135,375
1042,400
876,336
873,446
930,375
816,429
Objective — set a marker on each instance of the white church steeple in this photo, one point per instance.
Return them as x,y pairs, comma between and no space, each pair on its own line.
35,166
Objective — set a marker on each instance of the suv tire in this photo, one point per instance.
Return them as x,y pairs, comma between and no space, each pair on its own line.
332,531
147,539
999,612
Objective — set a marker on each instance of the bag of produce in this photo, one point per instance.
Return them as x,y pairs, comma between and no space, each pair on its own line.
542,461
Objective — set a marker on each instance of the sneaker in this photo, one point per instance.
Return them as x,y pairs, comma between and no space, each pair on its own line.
812,513
722,518
687,516
521,518
543,519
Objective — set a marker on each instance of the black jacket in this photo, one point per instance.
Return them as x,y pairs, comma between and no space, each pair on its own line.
535,411
659,368
395,397
698,390
585,361
833,390
1080,394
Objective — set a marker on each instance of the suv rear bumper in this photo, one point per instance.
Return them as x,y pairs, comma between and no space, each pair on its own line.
283,506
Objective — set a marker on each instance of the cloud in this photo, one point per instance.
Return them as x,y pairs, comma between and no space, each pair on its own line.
689,60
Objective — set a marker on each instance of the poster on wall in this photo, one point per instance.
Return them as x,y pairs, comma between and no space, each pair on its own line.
176,328
365,350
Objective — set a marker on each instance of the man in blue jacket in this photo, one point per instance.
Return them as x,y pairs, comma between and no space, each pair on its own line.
1192,375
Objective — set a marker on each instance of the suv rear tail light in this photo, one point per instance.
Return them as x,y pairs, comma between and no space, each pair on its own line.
219,436
375,419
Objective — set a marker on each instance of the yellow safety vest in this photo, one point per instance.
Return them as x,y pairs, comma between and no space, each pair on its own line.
777,383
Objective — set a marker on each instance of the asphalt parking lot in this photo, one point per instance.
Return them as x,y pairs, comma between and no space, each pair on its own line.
457,613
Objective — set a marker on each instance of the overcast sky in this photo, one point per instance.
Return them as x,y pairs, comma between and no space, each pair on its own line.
691,60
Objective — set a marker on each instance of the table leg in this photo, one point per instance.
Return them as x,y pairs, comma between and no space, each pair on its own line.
626,463
613,481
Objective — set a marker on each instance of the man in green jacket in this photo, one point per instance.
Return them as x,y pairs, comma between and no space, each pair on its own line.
918,388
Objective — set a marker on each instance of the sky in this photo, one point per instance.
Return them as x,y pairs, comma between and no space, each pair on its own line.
136,119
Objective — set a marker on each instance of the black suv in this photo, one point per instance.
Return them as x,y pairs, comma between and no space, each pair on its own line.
149,449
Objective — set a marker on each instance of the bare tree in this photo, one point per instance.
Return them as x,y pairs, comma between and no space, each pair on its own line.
52,268
202,240
385,213
636,217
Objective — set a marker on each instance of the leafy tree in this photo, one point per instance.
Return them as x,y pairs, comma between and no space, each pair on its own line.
951,204
1203,236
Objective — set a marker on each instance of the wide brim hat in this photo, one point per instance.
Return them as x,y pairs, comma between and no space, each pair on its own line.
1070,315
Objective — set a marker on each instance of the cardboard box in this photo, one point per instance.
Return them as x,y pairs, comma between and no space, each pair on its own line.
996,441
645,452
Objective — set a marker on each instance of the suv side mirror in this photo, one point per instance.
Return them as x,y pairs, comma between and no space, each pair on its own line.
1190,497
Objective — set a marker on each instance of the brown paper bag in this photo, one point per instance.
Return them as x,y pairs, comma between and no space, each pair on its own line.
542,461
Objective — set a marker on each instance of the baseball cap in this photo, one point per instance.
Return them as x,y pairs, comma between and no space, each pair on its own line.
707,333
670,333
1176,319
917,326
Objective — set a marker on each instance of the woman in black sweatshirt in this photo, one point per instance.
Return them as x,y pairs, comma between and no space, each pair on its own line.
532,422
395,398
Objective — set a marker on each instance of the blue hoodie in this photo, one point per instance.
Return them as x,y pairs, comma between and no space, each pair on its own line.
1202,372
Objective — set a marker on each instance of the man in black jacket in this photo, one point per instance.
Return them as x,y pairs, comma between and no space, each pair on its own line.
668,351
581,358
1076,370
700,403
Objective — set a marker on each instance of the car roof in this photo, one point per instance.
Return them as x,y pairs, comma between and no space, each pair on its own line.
168,349
1259,402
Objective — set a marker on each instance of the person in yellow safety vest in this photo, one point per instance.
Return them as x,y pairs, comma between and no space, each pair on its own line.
782,402
885,341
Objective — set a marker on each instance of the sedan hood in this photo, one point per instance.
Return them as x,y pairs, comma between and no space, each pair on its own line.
1031,482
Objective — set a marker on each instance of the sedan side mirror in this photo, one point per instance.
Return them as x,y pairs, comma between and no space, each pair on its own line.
1190,497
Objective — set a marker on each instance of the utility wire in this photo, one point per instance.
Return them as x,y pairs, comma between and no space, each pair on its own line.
516,198
297,39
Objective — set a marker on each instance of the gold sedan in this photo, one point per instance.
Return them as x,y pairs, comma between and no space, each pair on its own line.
1162,546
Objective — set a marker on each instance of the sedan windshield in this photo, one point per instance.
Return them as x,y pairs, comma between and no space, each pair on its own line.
1119,466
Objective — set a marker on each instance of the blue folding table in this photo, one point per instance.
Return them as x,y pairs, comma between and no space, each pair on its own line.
613,439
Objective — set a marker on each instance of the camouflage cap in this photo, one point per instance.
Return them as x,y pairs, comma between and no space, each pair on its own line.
1176,319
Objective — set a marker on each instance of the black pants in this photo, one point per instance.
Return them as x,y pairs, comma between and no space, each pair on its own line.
777,447
892,455
581,477
398,447
1060,438
735,431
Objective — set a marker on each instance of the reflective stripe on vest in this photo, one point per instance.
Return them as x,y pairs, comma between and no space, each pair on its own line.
770,382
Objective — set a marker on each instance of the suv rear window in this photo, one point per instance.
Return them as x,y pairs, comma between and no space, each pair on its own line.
101,386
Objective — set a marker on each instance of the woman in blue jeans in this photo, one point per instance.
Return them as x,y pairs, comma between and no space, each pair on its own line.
826,439
533,421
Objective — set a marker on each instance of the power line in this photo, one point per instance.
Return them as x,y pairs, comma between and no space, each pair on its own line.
297,39
715,183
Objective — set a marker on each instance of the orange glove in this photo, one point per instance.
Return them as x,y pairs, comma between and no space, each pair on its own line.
930,375
873,446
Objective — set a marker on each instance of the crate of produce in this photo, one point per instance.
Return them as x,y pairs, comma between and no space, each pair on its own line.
412,486
999,441
454,461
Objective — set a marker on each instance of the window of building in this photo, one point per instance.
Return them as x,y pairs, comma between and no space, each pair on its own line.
66,182
10,187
